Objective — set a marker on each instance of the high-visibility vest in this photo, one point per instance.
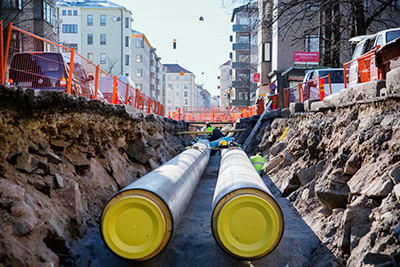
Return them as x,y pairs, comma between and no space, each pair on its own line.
258,162
210,128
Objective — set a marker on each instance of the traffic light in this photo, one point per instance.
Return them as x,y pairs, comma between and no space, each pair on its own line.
228,94
174,44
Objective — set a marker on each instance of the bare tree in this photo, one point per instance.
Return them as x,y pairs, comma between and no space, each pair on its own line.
335,21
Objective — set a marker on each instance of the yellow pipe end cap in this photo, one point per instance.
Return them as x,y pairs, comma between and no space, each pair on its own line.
134,227
248,227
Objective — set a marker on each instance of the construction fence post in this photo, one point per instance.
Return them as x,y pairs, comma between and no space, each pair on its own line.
71,69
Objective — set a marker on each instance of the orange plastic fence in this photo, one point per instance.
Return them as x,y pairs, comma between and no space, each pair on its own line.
212,114
36,70
361,69
313,89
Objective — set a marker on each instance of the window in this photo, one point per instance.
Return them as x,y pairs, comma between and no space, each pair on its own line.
243,39
177,85
177,94
185,86
243,21
70,28
69,12
48,13
75,12
139,86
64,12
139,43
139,73
90,20
127,41
90,39
185,78
12,4
186,102
243,58
75,46
102,39
185,93
127,59
127,22
169,77
102,20
139,58
169,101
90,56
312,43
253,59
266,52
177,77
103,58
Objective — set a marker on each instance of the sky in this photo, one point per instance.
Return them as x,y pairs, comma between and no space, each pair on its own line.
201,46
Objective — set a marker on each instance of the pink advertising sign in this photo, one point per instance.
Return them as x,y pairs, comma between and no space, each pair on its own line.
306,58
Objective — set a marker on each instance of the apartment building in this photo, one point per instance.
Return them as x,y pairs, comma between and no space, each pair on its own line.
181,90
37,17
225,81
98,30
148,71
244,56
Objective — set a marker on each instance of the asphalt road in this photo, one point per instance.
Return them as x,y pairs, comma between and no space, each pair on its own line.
192,244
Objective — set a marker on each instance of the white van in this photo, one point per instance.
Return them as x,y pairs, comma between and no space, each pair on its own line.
336,77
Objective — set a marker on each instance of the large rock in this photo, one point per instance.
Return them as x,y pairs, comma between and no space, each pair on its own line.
140,151
332,190
393,81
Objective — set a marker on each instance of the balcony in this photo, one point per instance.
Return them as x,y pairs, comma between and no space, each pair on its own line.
241,28
240,84
240,47
240,65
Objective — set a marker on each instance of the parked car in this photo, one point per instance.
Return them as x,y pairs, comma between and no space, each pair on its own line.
366,43
106,87
48,71
311,89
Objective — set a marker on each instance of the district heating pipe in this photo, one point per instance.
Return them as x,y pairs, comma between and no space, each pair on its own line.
137,222
246,221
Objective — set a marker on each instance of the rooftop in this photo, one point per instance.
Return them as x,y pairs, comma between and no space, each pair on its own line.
175,68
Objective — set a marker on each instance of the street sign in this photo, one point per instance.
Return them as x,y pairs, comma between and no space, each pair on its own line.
272,86
256,77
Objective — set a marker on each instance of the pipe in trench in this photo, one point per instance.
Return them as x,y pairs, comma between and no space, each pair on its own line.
138,221
246,221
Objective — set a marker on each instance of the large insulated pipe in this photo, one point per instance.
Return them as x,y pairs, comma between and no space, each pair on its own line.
138,221
247,222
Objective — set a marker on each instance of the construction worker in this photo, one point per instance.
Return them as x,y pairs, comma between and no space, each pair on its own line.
258,162
209,127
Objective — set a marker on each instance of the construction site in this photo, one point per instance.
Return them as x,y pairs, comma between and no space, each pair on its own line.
78,177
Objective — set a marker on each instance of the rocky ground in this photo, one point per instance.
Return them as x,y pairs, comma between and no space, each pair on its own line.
340,169
61,158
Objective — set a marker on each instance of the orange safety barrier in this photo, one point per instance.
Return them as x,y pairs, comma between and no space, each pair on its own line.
361,69
312,89
46,65
212,114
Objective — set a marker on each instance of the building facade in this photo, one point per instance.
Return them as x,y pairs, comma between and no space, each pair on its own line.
244,56
225,81
181,90
99,31
148,71
36,16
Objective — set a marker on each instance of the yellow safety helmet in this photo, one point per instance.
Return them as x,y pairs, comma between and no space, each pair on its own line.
223,143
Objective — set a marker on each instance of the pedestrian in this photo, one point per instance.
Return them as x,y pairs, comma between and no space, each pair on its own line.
258,162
